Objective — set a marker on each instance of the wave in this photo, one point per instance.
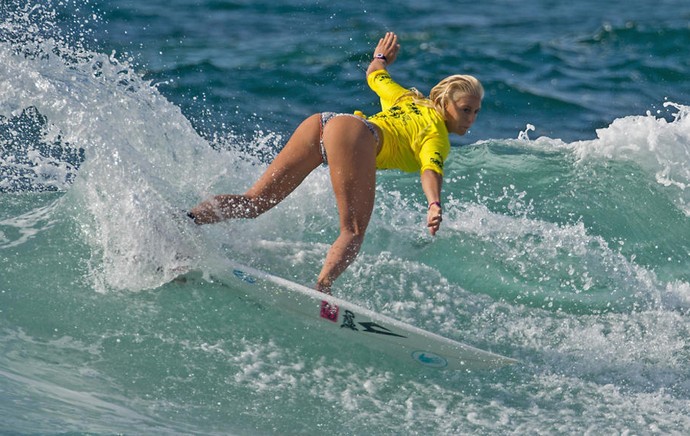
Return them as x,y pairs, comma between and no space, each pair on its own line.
128,161
570,256
657,146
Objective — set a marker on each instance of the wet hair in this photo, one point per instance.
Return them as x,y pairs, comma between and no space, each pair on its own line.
452,88
447,90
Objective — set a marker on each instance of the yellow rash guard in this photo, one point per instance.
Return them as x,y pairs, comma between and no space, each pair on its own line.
415,137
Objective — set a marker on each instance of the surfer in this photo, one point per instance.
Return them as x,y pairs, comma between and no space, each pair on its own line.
410,134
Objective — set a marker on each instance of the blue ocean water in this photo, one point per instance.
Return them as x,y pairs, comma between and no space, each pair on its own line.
565,244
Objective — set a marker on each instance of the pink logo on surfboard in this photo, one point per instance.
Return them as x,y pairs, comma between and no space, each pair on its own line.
329,311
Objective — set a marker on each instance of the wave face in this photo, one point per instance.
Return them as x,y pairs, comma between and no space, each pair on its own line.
565,242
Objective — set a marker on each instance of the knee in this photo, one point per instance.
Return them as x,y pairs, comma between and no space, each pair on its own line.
356,228
354,239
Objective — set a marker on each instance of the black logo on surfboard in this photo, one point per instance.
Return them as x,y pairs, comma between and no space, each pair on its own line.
369,327
372,327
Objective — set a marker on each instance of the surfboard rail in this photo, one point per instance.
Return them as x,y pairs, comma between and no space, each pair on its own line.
379,332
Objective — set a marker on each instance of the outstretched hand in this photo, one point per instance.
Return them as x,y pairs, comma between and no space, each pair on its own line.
204,213
388,46
433,218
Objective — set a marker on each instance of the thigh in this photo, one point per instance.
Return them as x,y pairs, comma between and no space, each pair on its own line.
351,150
295,161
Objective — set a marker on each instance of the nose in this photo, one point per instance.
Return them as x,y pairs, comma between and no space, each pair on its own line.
472,118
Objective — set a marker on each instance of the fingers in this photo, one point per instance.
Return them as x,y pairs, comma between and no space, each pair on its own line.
434,219
388,46
389,39
204,213
390,42
434,227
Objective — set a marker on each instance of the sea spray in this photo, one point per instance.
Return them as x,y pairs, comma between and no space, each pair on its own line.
571,260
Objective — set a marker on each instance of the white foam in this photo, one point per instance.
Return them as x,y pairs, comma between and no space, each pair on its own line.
26,226
659,146
144,162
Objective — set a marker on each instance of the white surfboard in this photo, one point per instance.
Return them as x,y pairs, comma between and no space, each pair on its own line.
352,322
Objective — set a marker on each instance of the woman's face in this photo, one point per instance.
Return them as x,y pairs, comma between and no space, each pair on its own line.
461,113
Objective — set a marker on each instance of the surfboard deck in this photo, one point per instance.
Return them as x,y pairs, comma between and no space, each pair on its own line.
351,322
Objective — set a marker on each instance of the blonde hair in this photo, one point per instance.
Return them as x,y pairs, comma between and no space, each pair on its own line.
447,90
452,88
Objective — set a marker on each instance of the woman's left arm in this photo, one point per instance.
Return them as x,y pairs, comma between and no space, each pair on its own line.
385,53
431,185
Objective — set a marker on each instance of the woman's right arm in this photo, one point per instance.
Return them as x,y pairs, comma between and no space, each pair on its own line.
431,185
387,47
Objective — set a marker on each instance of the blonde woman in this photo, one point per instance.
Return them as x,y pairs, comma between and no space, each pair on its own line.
410,134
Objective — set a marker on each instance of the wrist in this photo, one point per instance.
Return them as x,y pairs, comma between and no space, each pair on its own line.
434,203
380,57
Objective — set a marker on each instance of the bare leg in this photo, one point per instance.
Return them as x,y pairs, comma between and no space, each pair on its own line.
295,161
351,150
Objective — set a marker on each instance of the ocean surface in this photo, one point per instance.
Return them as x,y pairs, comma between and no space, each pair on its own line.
565,242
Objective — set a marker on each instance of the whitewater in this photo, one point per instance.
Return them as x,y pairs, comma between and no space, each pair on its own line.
572,256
